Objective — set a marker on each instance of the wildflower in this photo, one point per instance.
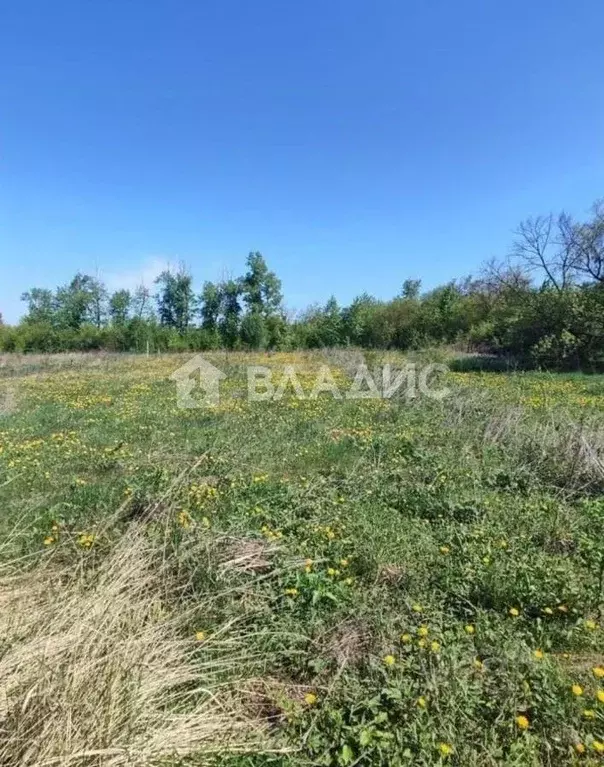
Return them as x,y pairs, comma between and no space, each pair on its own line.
184,520
444,550
435,646
486,560
522,722
478,664
86,540
421,643
49,540
589,713
349,581
331,572
200,636
308,566
423,631
590,625
344,562
579,748
469,629
538,654
514,612
577,690
600,695
598,746
598,672
310,699
291,592
417,608
445,750
389,660
421,702
406,638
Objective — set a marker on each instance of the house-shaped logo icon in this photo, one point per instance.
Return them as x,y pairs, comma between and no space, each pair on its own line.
208,384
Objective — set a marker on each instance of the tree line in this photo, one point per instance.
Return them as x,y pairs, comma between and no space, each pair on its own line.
541,306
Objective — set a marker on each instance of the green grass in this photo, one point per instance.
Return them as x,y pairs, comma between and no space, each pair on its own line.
402,579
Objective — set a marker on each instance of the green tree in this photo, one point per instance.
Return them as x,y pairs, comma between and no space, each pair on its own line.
261,288
175,299
230,291
40,306
119,306
210,301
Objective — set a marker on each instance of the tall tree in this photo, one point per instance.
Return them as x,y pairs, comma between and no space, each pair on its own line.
40,305
79,302
230,290
175,299
587,243
119,306
260,287
141,303
210,301
544,244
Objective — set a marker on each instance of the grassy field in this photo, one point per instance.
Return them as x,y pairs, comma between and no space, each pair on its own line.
306,581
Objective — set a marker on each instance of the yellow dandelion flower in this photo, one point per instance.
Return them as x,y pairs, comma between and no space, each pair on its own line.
291,592
539,654
469,629
444,550
422,643
49,540
514,612
522,722
598,672
478,664
590,625
598,746
445,749
200,636
310,699
406,638
417,608
389,660
423,631
577,690
421,702
435,646
600,695
589,713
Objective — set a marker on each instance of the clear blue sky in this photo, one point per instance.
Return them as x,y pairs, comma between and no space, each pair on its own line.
354,143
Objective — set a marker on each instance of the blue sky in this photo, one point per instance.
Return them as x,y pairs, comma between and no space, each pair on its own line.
354,143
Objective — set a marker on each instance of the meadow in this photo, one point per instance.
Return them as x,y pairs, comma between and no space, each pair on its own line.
310,581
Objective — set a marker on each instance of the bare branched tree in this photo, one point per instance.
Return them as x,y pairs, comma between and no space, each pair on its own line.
545,244
587,244
497,275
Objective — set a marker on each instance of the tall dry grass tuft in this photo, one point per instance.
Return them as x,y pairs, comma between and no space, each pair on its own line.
101,669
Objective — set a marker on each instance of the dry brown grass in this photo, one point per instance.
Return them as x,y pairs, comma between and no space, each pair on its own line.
101,669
